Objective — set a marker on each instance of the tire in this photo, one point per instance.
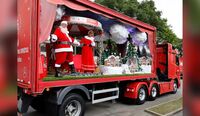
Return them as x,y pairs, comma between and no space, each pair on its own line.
73,105
153,92
175,87
142,95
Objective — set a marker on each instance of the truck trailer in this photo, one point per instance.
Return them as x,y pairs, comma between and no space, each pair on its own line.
68,95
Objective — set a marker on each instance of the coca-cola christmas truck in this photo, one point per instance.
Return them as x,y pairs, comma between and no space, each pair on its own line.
129,64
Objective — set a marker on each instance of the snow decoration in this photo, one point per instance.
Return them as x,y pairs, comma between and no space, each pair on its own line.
119,33
109,70
144,69
59,13
126,69
139,38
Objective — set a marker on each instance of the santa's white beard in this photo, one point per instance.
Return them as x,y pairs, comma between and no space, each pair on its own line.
64,30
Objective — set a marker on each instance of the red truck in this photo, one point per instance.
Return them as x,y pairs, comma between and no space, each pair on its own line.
68,96
181,66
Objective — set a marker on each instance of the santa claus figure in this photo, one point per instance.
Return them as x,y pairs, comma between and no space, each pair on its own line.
88,64
63,48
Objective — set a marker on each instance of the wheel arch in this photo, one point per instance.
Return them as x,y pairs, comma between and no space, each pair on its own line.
136,86
81,90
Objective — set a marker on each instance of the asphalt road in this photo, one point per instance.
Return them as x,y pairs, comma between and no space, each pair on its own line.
120,109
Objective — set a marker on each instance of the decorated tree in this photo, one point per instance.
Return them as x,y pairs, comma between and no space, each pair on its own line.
131,54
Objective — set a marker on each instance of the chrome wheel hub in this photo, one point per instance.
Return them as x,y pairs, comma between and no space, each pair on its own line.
154,92
73,108
142,94
175,87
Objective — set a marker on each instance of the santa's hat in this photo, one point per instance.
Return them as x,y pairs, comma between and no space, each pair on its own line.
64,22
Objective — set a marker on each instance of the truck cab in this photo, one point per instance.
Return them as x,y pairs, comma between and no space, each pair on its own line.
167,75
167,64
167,60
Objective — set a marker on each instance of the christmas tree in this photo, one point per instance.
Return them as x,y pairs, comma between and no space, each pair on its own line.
131,54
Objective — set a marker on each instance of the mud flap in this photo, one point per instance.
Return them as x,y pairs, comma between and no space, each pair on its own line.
24,103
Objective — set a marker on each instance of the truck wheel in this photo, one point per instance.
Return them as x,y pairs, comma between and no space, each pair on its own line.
73,105
153,92
142,94
175,87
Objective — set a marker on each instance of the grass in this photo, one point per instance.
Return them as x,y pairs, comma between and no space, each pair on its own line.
68,77
166,108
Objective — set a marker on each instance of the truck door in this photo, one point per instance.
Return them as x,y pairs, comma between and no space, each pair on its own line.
173,64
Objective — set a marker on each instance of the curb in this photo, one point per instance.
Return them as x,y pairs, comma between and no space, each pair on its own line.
174,112
168,114
152,112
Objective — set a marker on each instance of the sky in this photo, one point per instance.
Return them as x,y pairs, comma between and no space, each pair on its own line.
172,11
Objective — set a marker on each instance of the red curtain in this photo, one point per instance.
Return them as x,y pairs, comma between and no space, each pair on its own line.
47,17
69,4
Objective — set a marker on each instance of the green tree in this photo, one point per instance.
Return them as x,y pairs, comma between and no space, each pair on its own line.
146,12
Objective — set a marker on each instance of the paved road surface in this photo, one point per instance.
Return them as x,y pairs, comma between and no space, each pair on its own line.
119,109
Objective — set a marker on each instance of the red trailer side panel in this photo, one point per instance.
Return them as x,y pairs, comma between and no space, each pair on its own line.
24,42
27,44
31,61
87,5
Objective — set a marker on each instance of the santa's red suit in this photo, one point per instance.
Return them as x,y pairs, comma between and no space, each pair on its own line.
88,63
63,46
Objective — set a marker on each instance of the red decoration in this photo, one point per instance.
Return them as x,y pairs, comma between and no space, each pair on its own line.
87,55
